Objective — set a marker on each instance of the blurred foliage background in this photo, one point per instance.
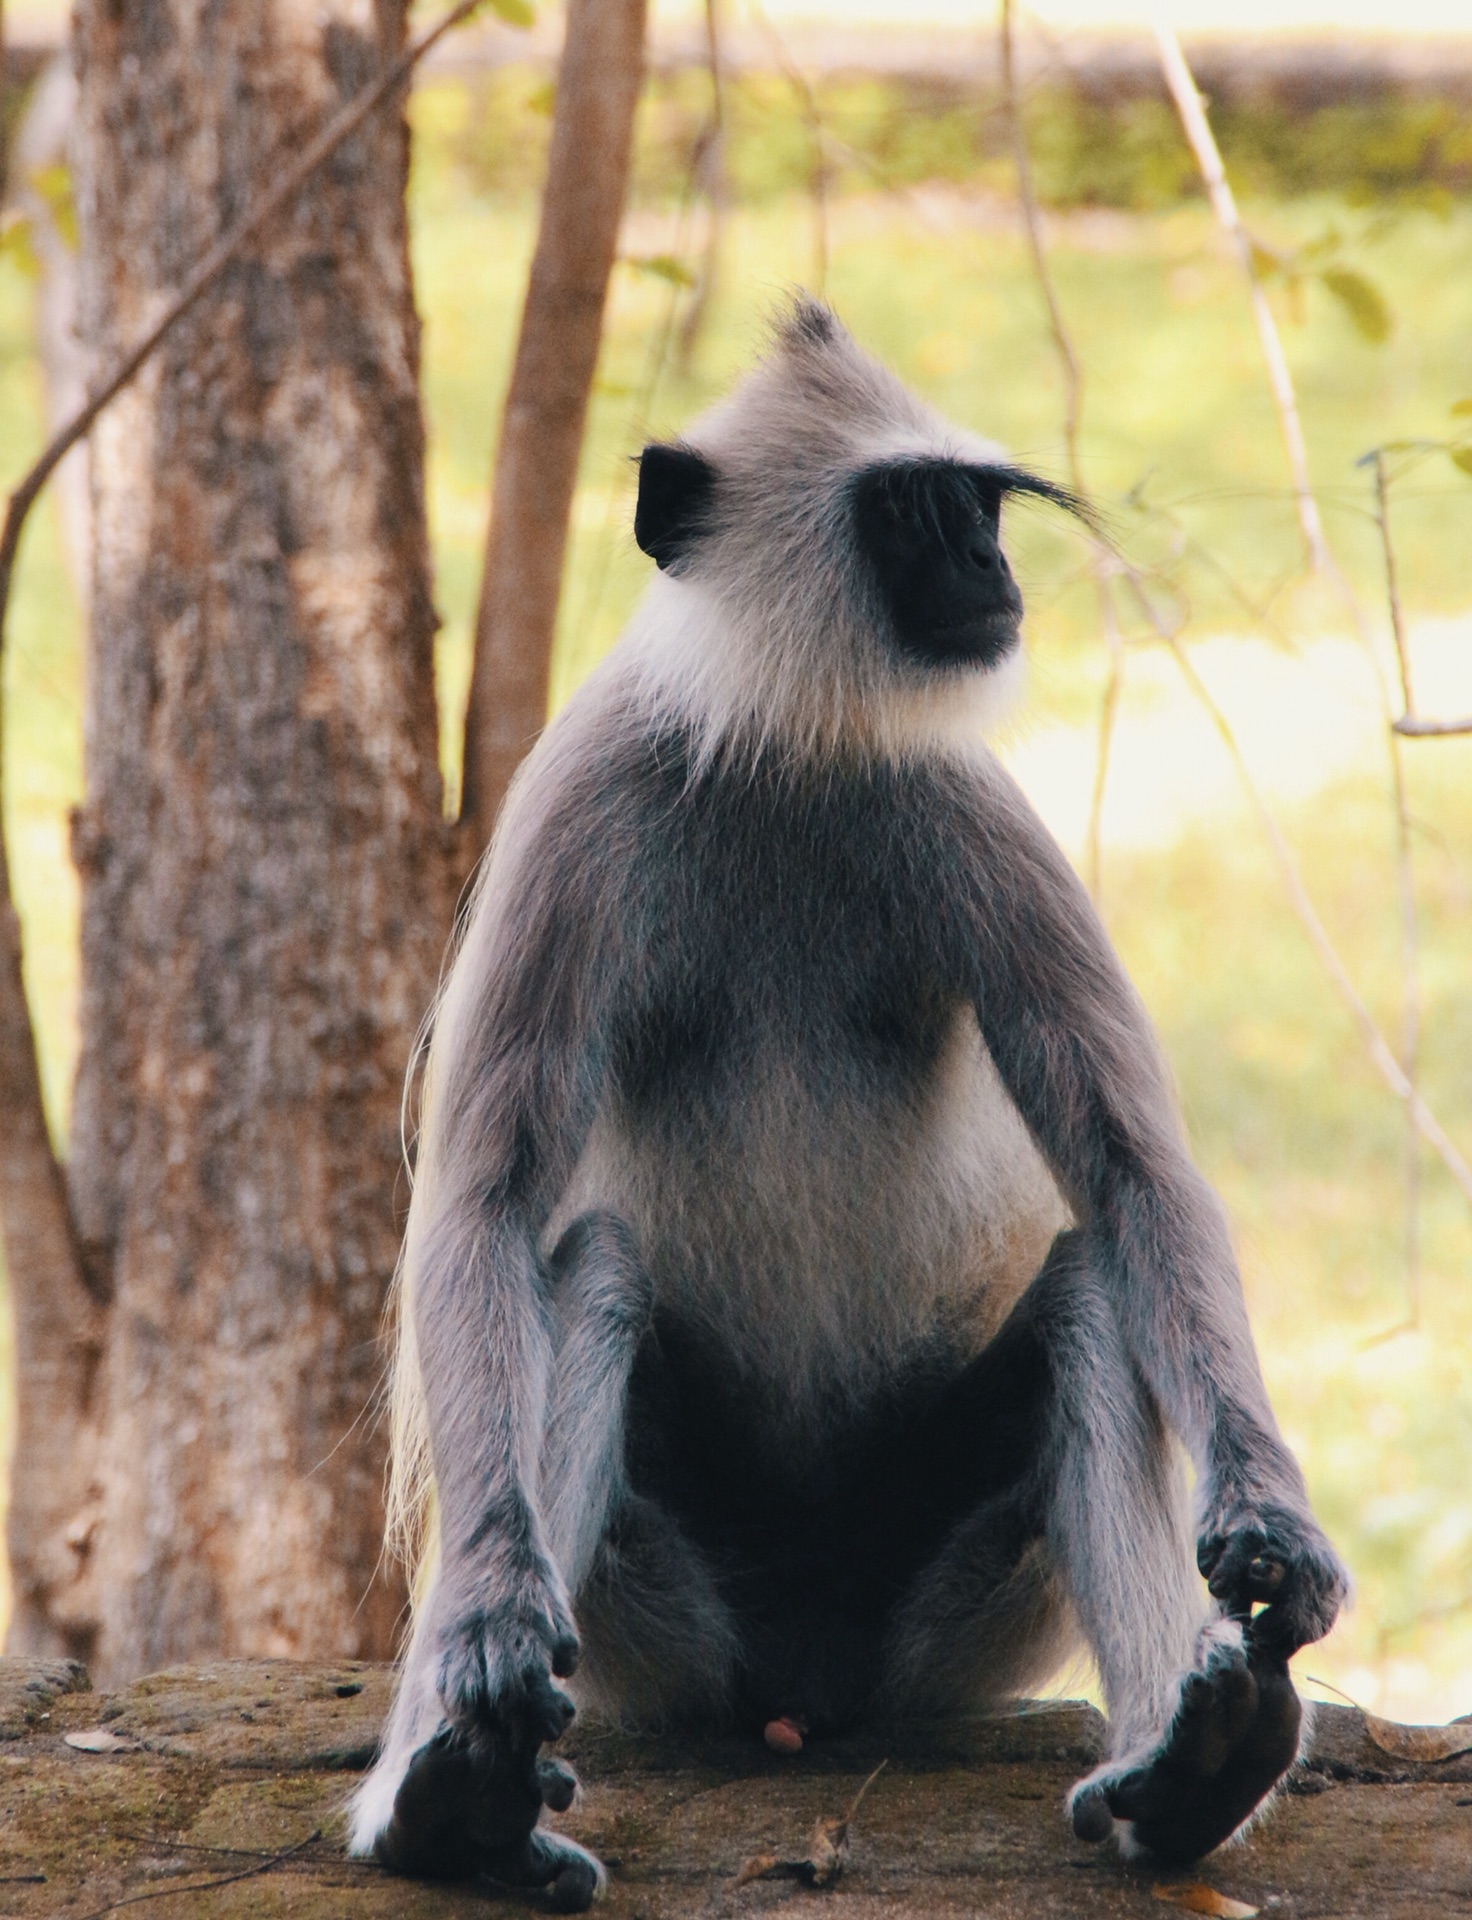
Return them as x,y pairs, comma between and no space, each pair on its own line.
896,196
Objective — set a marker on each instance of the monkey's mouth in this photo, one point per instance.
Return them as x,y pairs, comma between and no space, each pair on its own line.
979,640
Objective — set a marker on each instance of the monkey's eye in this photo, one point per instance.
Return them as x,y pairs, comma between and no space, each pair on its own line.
902,509
989,505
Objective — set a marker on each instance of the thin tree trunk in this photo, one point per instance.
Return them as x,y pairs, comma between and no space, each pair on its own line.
4,76
264,887
546,405
58,1321
43,141
58,1343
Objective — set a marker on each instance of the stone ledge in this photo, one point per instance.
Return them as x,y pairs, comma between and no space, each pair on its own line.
219,1769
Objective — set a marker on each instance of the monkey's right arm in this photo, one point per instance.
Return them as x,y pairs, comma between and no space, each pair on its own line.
515,1074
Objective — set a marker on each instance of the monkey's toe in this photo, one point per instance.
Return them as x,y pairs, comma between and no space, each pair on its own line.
1234,1736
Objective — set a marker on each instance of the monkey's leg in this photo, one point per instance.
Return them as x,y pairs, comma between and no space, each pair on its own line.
1203,1722
1092,1510
461,1801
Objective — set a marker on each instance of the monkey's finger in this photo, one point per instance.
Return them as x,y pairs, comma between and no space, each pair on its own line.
1209,1550
559,1784
548,1711
1228,1580
565,1653
1130,1794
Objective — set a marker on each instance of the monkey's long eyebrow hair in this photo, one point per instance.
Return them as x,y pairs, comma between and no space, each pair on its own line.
1018,480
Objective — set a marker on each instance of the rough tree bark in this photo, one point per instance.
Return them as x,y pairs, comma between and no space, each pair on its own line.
546,405
264,884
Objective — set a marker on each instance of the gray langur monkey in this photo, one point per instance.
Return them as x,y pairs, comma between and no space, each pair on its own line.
807,1289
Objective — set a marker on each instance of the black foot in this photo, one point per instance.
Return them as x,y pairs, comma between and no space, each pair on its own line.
1234,1736
468,1805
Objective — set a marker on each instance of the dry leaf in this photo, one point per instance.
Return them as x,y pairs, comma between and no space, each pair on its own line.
757,1867
101,1740
827,1849
1192,1897
1419,1743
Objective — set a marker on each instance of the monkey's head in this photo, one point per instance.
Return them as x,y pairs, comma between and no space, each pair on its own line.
831,552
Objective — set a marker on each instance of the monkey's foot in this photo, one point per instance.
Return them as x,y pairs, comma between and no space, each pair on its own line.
1233,1737
467,1809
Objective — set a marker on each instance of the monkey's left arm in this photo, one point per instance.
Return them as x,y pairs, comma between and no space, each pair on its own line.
1075,1048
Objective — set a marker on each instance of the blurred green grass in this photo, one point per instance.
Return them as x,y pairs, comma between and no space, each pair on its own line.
1288,1117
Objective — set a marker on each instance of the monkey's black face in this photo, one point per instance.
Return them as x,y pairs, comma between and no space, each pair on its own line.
930,532
927,531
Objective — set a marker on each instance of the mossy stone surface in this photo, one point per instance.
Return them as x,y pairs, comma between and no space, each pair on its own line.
222,1769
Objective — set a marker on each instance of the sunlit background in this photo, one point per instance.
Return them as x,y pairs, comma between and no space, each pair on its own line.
865,155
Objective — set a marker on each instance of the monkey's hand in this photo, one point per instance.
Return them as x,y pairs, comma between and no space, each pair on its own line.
468,1805
1279,1558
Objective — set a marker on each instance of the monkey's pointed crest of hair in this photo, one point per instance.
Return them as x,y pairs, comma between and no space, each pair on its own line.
809,322
763,633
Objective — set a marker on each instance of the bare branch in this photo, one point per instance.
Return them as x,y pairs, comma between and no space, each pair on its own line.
708,164
1073,402
59,1306
1432,729
1406,887
542,429
807,102
1197,127
226,250
1189,106
1073,382
1392,584
1381,1054
1108,719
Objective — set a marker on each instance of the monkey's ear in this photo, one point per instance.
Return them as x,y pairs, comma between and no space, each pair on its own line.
676,490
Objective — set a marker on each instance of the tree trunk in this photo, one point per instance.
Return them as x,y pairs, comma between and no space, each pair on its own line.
264,884
546,405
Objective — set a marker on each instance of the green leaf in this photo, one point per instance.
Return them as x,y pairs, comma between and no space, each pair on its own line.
664,266
543,98
1265,263
1362,300
516,13
1461,457
1461,409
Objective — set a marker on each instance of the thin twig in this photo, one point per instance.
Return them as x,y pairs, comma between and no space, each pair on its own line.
1073,381
224,253
1188,104
1073,401
708,160
1432,729
1108,720
1381,1054
807,102
1392,584
1409,725
1406,887
1406,1079
205,1886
